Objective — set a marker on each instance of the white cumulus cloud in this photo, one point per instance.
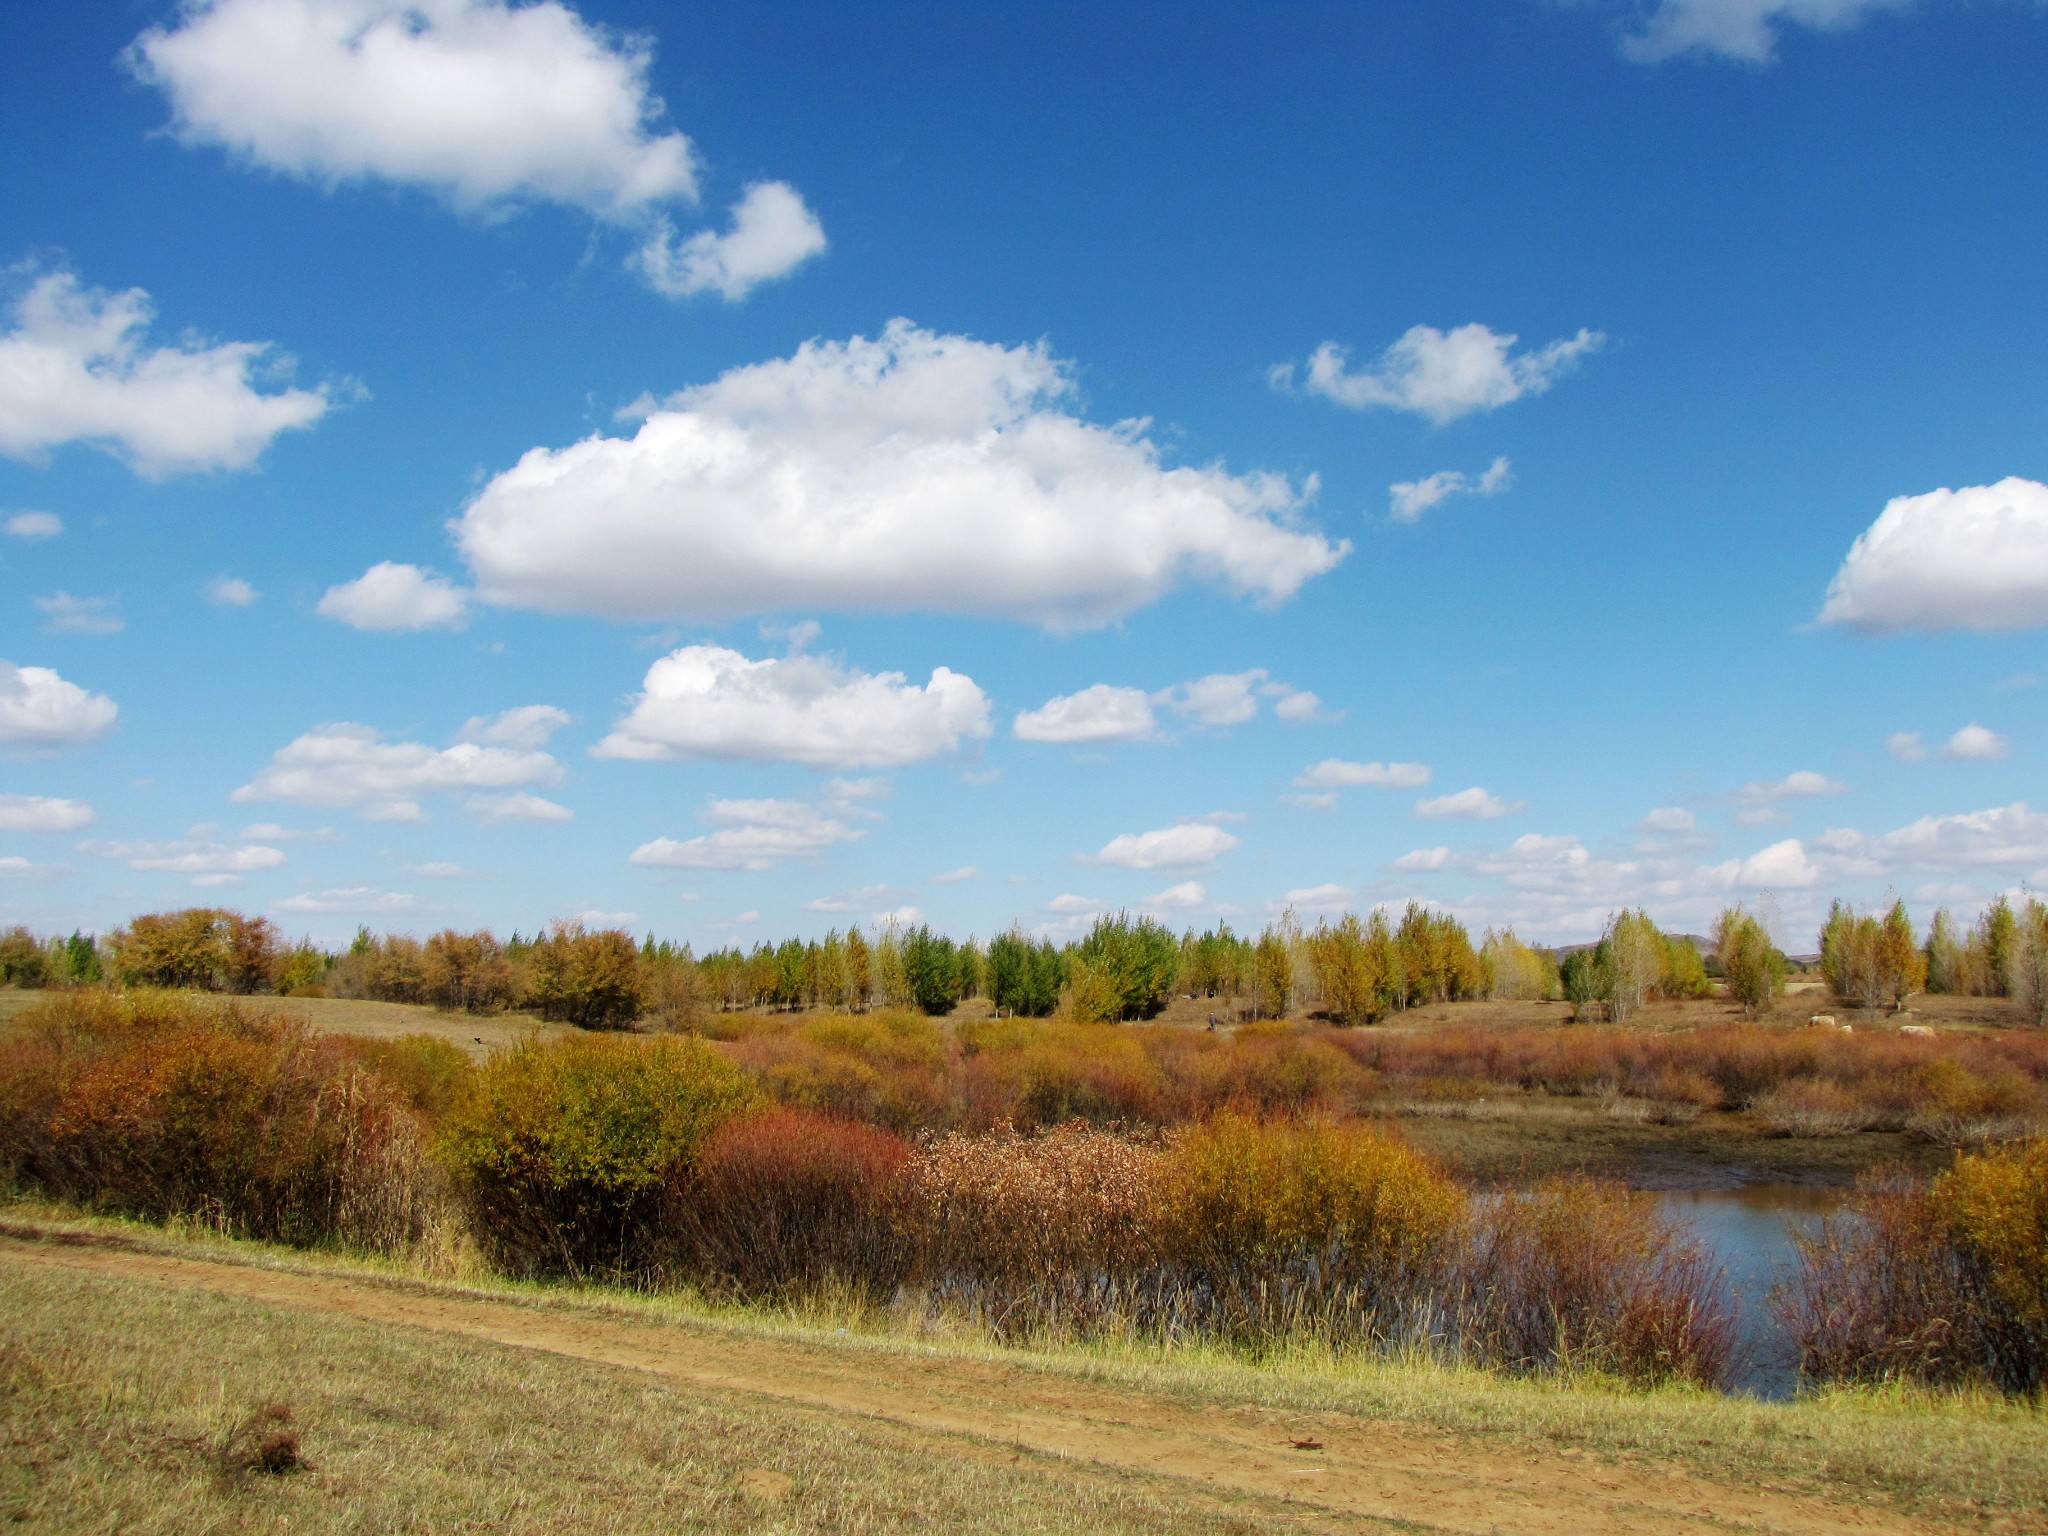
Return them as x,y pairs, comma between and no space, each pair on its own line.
230,592
1740,29
43,813
1906,746
913,471
477,100
34,525
1440,375
1068,904
1183,846
1782,866
74,369
1976,743
354,767
391,596
1179,898
1100,713
1337,773
1423,860
705,701
1407,500
772,234
41,712
1474,804
1320,898
1973,558
750,834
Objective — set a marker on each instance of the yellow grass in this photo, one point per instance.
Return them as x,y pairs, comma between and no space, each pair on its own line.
458,1419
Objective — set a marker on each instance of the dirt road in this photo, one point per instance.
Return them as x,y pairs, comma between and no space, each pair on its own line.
1354,1467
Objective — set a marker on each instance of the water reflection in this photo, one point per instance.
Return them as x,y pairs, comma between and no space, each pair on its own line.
1749,1232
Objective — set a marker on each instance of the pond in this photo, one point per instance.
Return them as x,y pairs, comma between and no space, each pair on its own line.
1748,1232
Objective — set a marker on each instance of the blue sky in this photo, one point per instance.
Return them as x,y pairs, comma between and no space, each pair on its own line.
468,464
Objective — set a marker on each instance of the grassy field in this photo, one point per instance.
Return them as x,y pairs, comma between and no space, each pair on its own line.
441,1407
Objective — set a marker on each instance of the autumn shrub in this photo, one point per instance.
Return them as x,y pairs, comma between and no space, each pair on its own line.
782,1201
561,1150
1812,1107
1941,1283
1955,1106
589,978
428,1072
1036,1075
1584,1274
1055,1233
202,948
1279,1227
1274,1070
162,1105
891,1068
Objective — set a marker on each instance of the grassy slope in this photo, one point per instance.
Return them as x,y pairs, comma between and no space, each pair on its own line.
117,1426
103,1409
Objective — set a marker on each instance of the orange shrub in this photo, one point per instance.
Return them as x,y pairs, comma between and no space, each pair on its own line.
782,1200
160,1105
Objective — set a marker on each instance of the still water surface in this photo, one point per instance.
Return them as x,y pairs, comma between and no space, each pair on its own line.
1748,1232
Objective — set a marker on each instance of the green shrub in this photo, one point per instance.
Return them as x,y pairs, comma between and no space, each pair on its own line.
560,1149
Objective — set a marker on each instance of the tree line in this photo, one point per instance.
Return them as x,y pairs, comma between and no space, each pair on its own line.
1353,970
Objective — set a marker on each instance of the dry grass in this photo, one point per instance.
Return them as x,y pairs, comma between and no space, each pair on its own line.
163,1416
429,1433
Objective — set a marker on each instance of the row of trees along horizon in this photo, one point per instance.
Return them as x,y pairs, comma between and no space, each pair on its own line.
1352,971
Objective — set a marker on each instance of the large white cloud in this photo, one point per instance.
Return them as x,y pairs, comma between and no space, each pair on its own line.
394,597
1184,846
705,701
353,766
73,368
481,101
1740,29
1440,375
751,834
1973,558
41,712
913,471
772,234
43,813
484,103
1100,713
